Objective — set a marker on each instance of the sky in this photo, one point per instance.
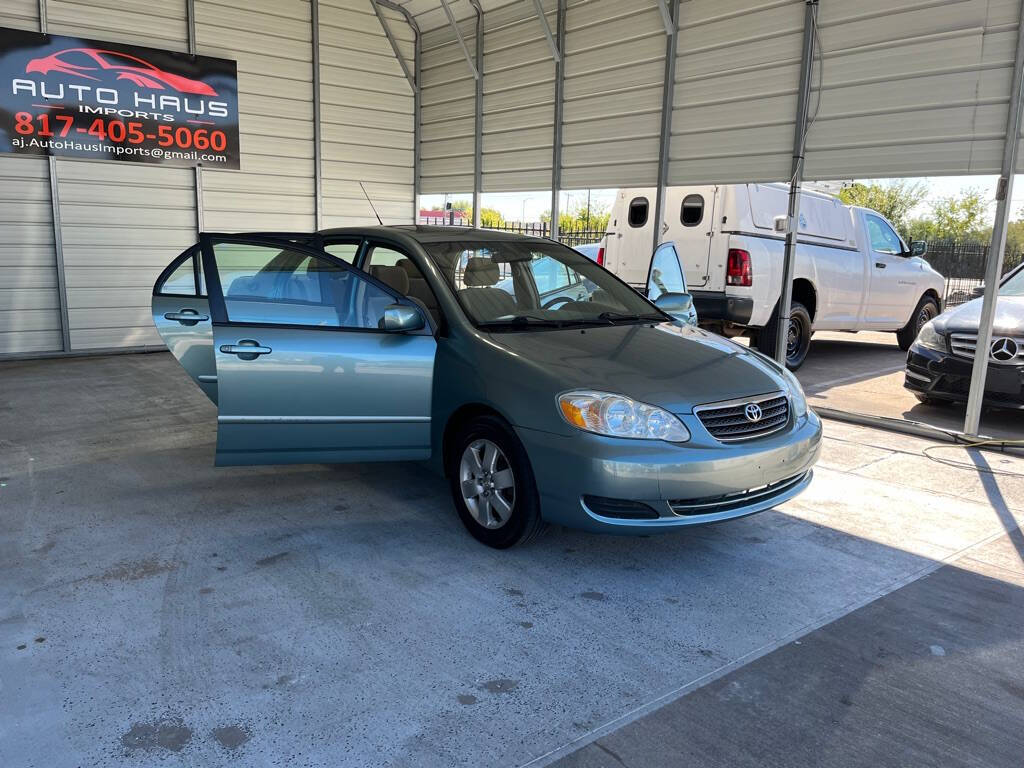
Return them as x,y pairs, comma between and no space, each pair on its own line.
528,206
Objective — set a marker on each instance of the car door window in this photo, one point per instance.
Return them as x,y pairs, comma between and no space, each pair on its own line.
666,276
883,239
264,283
344,251
182,280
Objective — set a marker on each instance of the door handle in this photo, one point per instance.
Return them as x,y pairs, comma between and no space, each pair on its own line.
880,264
186,316
246,349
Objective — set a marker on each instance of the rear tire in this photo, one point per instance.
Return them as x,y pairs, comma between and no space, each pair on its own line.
492,484
926,309
799,339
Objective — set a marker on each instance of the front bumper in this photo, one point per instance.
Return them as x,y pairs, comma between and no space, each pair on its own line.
946,376
699,482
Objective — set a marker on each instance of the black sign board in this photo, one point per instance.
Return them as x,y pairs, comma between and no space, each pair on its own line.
72,97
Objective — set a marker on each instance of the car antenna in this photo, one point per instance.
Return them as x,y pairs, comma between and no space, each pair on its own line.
371,204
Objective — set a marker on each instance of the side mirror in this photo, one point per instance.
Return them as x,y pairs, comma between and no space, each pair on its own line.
400,318
918,248
679,305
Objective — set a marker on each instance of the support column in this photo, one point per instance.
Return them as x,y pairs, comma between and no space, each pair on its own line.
190,13
997,250
478,118
558,46
58,240
671,18
796,177
318,185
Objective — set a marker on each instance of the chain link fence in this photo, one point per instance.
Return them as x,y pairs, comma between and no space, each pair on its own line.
962,263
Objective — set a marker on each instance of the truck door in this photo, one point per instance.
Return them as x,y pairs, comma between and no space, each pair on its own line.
893,288
690,222
629,248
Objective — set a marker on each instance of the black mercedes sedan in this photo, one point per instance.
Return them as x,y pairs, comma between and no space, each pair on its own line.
940,359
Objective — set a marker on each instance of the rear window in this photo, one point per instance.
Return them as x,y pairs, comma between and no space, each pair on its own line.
638,211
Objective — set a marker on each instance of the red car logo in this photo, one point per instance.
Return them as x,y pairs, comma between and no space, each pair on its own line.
94,64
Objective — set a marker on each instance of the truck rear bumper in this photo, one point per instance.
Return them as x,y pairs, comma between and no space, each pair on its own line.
715,306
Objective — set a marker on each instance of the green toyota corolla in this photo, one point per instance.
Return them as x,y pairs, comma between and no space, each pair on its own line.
545,389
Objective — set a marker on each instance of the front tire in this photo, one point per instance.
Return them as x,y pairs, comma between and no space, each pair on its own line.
798,342
492,484
926,309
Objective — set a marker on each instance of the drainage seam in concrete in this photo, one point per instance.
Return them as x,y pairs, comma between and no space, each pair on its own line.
667,698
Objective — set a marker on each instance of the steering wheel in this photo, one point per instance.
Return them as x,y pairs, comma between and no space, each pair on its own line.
557,300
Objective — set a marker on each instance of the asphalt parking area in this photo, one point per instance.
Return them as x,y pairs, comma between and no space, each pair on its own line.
863,373
152,606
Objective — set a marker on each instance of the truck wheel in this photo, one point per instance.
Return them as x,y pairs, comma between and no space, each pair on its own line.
492,484
798,341
926,309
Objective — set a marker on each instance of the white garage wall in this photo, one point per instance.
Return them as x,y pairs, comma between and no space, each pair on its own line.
366,115
120,222
273,45
614,75
29,304
448,110
519,97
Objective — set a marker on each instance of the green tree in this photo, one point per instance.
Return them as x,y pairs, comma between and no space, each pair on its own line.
893,199
489,217
960,217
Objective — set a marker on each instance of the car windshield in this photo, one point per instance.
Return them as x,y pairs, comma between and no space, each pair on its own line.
1014,286
510,285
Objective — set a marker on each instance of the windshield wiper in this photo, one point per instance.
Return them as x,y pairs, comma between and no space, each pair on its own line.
631,316
524,320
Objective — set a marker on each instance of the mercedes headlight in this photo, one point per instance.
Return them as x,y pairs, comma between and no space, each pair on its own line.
796,394
930,338
614,415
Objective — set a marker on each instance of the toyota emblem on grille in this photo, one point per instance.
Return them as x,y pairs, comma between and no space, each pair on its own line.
1003,349
752,412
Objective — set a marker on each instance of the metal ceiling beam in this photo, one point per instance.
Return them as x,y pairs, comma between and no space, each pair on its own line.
667,16
796,176
667,100
556,47
478,113
997,249
458,36
394,43
556,144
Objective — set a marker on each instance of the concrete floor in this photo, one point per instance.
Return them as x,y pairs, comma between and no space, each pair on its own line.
153,607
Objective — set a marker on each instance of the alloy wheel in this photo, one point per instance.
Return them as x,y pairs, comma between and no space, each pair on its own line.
487,484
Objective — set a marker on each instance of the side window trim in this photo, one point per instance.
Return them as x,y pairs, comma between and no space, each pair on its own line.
218,308
192,252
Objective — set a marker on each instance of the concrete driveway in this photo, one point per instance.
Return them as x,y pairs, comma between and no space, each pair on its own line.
152,606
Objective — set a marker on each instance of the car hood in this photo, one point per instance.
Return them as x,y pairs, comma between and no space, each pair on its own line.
665,365
1009,317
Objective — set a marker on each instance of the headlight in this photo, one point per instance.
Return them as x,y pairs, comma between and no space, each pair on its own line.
618,416
796,393
929,337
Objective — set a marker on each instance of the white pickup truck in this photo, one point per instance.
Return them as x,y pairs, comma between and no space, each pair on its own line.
853,272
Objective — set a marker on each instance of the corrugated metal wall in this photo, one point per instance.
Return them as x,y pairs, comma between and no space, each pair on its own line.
121,223
272,41
29,303
519,98
447,111
614,75
918,89
366,115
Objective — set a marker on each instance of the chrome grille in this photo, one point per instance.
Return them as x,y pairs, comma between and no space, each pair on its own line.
964,345
728,422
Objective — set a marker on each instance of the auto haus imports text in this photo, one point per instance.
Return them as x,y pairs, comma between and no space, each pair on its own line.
108,101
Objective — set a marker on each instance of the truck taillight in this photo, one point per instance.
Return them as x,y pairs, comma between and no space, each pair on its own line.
737,270
600,255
